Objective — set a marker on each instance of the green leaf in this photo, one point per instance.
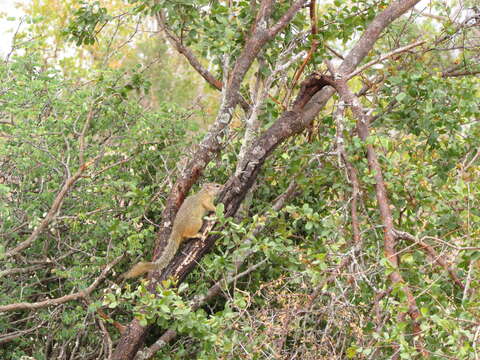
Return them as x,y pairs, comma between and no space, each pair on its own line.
352,352
220,210
400,97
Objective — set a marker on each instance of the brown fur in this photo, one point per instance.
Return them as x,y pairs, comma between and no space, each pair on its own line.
187,224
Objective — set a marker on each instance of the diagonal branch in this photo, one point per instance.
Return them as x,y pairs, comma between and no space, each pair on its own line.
53,212
431,251
385,56
286,18
288,124
362,121
192,59
185,51
373,32
358,52
211,143
232,275
57,301
260,36
133,337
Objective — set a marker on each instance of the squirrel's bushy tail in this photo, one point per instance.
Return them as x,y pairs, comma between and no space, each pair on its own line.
167,255
169,251
139,269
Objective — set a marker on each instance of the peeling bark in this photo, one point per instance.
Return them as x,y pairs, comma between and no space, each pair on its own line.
313,96
133,338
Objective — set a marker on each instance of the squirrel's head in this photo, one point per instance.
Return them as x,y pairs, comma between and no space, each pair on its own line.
212,188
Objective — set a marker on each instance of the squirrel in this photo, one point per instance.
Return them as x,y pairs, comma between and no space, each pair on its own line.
187,224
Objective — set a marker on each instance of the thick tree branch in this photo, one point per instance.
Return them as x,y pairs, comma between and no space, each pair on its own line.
133,337
210,144
232,276
289,123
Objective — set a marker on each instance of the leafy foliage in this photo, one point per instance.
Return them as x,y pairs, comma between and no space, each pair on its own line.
90,18
54,119
124,118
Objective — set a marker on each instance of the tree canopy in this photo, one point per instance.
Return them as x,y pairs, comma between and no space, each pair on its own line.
346,135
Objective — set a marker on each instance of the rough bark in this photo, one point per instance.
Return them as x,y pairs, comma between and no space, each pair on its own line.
307,105
133,338
237,187
231,276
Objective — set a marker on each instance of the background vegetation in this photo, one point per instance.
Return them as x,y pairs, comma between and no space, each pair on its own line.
102,112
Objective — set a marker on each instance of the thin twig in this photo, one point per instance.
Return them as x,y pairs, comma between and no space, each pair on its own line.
63,299
53,212
383,57
431,251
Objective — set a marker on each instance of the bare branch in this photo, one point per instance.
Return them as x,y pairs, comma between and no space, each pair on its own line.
286,18
4,338
383,57
352,174
23,270
431,251
459,248
182,49
460,73
75,296
362,120
53,212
